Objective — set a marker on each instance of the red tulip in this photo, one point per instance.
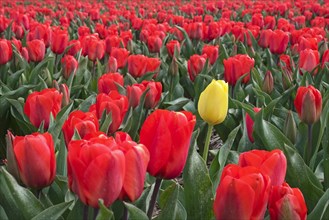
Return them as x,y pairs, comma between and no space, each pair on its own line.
167,135
96,50
171,45
82,122
242,193
308,104
236,66
286,203
70,66
153,95
121,55
257,19
35,159
269,22
59,41
112,42
96,170
39,106
265,38
134,93
211,52
195,30
137,65
250,124
40,32
36,49
112,65
307,43
152,64
273,163
25,54
113,103
137,157
279,42
154,43
75,47
6,51
308,60
325,58
109,81
195,65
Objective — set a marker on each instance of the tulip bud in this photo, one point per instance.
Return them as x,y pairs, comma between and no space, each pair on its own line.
268,83
250,124
290,129
112,65
66,94
173,68
130,46
308,103
213,102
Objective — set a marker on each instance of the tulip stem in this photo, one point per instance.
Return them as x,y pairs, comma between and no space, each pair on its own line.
96,212
206,145
308,148
85,212
154,197
125,213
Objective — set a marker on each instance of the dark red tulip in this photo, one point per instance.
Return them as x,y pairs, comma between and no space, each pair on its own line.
167,136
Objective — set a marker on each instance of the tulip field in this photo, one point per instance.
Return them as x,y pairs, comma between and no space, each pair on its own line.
200,109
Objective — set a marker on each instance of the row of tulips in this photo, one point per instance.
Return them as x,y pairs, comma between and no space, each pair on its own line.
114,101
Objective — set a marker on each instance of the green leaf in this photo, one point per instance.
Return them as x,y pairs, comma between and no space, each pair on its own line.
17,201
135,213
104,213
298,174
321,210
218,164
3,214
197,185
56,128
106,123
33,79
53,212
77,211
169,200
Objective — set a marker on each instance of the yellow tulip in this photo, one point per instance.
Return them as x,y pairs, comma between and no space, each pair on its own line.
213,102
